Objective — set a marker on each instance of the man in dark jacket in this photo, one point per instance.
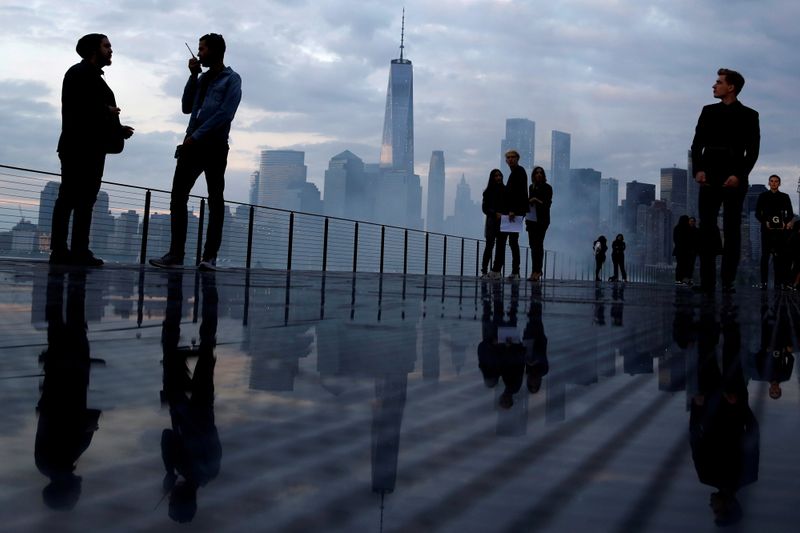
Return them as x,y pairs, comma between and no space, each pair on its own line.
515,205
724,151
774,211
89,119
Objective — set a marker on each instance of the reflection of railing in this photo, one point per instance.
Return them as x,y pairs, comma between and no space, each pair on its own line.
131,223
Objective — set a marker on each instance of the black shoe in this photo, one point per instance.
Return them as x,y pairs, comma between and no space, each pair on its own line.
167,261
86,258
60,257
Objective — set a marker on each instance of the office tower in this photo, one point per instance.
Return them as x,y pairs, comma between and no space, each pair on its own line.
520,136
466,219
102,225
435,210
349,190
609,200
674,189
398,196
584,210
47,199
658,233
126,235
559,158
637,194
692,188
282,175
254,183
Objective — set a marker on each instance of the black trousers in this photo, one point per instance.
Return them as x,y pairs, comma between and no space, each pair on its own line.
536,233
598,266
491,234
194,160
81,174
711,198
500,252
684,266
619,264
773,242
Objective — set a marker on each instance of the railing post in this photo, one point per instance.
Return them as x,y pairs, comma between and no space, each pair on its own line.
462,257
250,225
405,253
200,230
444,257
145,227
325,247
355,248
383,240
291,238
477,255
426,252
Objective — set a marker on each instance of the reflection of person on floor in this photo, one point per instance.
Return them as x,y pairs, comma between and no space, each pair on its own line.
191,448
536,365
774,362
618,304
599,307
501,358
66,426
724,433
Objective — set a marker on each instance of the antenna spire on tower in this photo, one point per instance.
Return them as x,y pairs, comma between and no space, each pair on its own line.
402,33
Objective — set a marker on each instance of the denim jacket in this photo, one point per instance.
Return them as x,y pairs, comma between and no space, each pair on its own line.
211,121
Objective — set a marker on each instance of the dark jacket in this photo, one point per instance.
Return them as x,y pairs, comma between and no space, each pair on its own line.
212,110
543,192
685,240
601,252
773,204
617,248
726,142
493,198
516,195
85,118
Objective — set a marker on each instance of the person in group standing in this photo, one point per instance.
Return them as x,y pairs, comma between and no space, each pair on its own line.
515,203
774,212
684,238
618,258
600,248
212,99
90,129
540,198
724,151
492,206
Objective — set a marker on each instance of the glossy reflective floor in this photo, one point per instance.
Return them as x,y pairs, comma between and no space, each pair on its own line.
138,399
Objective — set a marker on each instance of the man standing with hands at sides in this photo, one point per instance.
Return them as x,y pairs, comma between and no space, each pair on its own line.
724,151
774,211
515,204
212,99
90,129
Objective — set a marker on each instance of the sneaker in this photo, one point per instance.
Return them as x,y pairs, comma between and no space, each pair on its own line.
167,261
678,282
60,257
513,277
207,265
86,258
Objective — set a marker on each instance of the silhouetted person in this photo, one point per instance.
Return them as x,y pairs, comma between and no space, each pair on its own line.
617,304
66,425
536,364
515,204
724,151
618,258
190,448
793,255
90,129
492,206
212,99
724,434
685,240
774,212
500,357
600,248
540,198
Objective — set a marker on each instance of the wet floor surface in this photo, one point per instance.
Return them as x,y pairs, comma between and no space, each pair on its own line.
139,399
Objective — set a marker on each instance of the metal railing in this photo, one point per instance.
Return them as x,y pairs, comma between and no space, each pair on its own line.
131,223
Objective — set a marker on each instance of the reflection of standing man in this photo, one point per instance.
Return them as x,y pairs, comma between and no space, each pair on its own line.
774,211
89,128
724,151
212,98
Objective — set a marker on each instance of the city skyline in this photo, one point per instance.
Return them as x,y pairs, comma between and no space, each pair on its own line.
315,80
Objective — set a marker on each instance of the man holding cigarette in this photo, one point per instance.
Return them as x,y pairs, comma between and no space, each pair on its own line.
212,99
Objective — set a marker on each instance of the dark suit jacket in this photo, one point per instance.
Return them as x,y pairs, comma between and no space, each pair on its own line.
726,142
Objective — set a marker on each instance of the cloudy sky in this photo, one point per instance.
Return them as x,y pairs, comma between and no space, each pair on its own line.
627,78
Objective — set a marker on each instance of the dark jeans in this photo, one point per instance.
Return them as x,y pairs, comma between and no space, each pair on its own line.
491,238
598,266
536,234
500,252
80,182
196,159
773,242
684,266
711,198
619,264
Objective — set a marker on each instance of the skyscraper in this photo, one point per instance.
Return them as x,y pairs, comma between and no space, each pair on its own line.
47,200
348,193
435,210
559,158
637,194
282,175
692,188
673,189
254,184
520,136
609,200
